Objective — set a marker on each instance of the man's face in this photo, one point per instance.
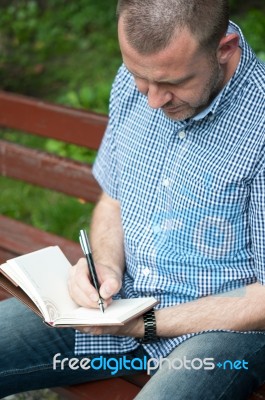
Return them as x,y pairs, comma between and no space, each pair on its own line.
181,79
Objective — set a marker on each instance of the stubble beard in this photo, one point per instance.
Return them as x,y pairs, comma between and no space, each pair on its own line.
211,90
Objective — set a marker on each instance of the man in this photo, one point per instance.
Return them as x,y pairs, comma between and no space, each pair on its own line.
181,217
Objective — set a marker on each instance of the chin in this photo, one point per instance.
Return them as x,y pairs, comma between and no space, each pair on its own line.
181,115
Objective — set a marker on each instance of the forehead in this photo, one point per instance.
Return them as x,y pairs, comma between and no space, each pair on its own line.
180,57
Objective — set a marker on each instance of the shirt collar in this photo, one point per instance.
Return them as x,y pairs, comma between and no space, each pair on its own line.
210,109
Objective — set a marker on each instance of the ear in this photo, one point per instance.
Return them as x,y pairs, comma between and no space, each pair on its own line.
227,47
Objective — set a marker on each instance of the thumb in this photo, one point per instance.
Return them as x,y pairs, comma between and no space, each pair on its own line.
110,287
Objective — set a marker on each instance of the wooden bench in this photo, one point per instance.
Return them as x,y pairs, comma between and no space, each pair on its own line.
62,175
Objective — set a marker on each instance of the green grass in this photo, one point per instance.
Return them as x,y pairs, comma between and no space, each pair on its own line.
44,209
60,148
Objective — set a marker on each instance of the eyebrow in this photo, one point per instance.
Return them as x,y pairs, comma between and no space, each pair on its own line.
171,82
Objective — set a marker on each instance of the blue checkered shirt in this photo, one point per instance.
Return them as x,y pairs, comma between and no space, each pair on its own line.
192,196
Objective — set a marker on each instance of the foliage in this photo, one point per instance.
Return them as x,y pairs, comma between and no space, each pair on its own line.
253,25
59,51
66,52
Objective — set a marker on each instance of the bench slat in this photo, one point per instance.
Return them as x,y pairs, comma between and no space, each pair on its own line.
49,120
4,295
18,238
114,389
5,254
72,126
49,171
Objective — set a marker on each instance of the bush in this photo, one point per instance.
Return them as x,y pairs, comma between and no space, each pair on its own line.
50,51
253,26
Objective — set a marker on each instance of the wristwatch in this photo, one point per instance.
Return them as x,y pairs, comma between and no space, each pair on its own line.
149,327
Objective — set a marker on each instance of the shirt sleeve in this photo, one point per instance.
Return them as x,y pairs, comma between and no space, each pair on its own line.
257,223
105,169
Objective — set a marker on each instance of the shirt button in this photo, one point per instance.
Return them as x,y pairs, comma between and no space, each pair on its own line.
156,229
182,134
146,271
166,182
211,117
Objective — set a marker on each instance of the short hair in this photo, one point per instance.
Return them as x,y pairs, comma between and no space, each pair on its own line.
151,24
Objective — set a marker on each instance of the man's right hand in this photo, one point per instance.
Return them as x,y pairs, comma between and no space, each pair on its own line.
83,292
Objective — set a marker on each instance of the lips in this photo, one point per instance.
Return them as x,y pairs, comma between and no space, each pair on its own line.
172,109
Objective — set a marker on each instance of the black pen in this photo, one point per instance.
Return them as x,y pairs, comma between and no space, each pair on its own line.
84,242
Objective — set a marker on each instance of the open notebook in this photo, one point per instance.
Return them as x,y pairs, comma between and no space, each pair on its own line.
39,279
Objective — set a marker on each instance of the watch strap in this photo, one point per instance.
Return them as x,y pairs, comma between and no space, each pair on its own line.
149,327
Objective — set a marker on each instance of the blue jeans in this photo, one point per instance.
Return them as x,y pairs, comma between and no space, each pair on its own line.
27,348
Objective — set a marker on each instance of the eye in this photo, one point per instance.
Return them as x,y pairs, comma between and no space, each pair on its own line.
138,79
141,84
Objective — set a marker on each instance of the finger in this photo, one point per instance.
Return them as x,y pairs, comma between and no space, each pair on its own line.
92,330
110,287
80,287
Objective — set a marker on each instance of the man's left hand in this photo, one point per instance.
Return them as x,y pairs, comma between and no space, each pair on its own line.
133,328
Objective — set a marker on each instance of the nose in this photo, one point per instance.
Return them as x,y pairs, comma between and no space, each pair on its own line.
158,96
